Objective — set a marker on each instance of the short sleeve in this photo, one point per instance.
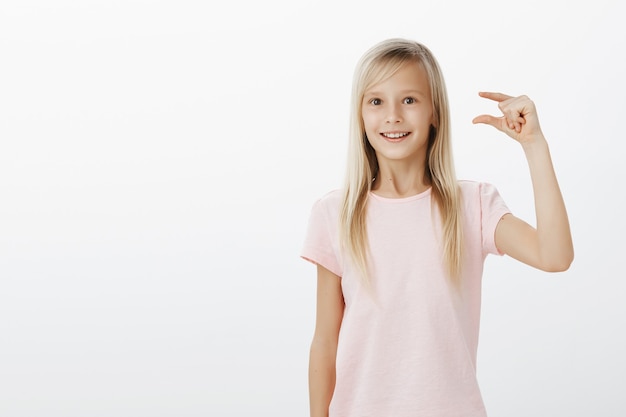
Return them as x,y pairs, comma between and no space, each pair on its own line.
321,239
492,209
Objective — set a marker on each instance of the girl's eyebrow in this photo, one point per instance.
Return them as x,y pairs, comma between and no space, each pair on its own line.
402,92
417,92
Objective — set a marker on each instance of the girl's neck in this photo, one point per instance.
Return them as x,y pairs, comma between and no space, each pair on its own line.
399,181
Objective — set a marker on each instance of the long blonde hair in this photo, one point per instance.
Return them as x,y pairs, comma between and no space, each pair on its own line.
378,64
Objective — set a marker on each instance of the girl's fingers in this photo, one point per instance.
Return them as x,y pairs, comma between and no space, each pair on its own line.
501,123
515,124
518,115
489,120
499,97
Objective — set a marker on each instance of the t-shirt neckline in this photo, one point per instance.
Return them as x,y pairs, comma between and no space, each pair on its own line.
414,197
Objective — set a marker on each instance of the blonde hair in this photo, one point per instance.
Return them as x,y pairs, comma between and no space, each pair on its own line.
378,64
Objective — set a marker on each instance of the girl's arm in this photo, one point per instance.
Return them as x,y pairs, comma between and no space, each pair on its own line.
548,247
330,306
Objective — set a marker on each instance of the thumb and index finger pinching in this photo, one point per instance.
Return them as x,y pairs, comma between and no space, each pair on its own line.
489,119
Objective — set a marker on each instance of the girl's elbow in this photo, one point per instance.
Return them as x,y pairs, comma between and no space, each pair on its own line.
557,268
560,264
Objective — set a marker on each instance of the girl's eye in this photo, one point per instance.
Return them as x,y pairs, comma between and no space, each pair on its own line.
409,100
376,101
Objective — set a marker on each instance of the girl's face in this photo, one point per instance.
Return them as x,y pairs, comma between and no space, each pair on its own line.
397,115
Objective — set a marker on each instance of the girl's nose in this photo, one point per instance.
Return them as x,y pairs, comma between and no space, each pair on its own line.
393,115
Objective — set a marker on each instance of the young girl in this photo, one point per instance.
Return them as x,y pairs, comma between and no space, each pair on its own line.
400,249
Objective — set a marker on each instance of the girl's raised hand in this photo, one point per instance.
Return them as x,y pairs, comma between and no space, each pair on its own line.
519,117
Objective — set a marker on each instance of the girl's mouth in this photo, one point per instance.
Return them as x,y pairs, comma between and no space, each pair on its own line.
394,136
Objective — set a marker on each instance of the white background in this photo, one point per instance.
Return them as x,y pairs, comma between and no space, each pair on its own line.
158,161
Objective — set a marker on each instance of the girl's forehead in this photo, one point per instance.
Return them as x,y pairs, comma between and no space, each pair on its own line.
408,76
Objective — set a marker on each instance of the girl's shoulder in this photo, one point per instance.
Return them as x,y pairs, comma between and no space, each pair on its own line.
473,187
480,195
328,203
330,199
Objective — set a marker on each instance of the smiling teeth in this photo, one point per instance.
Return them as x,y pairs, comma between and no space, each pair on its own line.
394,135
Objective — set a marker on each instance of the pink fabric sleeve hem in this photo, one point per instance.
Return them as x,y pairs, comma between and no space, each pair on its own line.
498,215
324,261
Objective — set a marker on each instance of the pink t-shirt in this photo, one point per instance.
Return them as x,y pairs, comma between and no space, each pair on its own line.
410,350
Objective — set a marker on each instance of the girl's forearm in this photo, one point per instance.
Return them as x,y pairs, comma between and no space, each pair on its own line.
553,231
321,378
